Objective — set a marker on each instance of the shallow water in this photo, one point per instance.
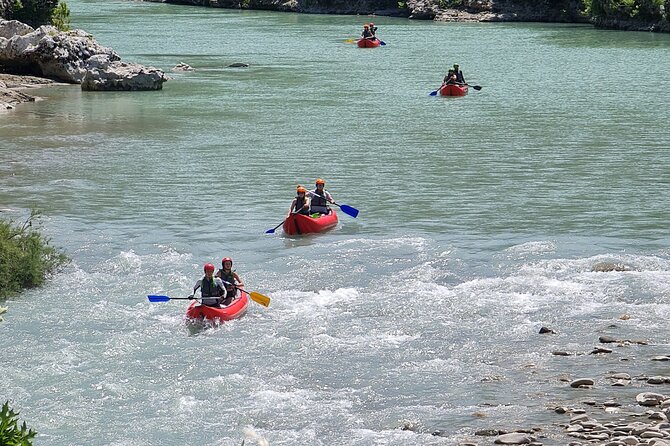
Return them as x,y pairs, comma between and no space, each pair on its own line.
481,218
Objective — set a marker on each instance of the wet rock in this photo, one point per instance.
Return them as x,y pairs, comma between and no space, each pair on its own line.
606,340
600,350
238,65
545,330
649,399
620,376
582,382
514,438
560,353
661,358
605,267
487,432
181,66
656,380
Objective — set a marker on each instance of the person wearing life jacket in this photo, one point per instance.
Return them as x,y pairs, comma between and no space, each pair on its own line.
367,34
459,74
300,204
230,279
212,289
320,198
373,30
450,78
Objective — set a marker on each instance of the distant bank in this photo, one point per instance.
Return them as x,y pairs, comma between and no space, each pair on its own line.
631,15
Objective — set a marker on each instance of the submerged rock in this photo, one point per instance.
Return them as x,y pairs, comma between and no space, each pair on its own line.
605,267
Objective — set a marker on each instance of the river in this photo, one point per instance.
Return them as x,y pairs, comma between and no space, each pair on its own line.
480,220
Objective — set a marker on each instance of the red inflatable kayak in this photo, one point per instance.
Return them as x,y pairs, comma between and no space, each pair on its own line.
453,90
236,309
298,224
368,43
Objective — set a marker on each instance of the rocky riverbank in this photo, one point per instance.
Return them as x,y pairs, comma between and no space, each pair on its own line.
619,408
12,89
443,11
42,56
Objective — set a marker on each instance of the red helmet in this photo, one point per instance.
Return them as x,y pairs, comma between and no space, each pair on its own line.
227,259
209,267
320,181
372,24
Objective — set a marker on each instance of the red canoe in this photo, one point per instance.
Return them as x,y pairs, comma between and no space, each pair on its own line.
368,43
297,224
453,90
236,309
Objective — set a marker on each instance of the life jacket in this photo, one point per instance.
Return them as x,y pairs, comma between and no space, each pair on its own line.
318,203
367,34
210,291
230,278
299,203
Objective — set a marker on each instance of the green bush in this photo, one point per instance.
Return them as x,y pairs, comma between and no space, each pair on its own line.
26,258
10,433
60,17
649,10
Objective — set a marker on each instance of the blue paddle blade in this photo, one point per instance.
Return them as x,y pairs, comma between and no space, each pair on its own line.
433,93
155,298
270,231
349,210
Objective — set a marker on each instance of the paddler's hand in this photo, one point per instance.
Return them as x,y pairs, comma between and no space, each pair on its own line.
190,297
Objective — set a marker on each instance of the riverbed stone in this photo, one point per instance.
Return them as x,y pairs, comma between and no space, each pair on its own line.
649,399
582,382
514,438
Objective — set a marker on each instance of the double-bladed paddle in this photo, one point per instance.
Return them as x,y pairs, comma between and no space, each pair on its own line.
256,297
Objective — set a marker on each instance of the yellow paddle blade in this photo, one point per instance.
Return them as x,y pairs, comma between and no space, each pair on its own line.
350,40
260,299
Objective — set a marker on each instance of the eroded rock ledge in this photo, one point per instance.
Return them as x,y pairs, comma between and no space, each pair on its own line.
72,57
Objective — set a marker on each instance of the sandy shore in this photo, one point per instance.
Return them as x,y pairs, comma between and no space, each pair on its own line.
12,89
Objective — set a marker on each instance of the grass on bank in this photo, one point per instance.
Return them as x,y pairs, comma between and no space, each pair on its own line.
26,257
10,432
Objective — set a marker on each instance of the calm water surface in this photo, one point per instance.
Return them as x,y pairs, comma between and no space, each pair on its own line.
480,219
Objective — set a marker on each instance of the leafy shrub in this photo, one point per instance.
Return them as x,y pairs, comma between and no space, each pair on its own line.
10,433
60,17
26,258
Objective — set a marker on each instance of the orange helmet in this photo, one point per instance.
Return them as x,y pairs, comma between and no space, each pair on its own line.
209,267
301,190
366,26
320,181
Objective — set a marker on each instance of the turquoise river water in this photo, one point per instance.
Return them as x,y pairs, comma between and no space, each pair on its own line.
480,220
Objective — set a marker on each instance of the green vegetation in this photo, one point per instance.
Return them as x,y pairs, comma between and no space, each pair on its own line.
642,10
10,433
26,258
41,12
60,17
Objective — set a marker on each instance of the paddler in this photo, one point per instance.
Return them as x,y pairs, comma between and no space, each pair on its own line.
212,289
231,280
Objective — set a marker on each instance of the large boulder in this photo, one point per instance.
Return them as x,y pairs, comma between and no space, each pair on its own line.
106,75
72,57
